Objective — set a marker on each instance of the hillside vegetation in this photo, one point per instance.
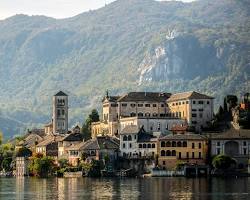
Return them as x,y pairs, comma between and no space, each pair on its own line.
126,46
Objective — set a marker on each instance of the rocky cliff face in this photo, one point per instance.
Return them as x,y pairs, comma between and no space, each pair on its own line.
181,56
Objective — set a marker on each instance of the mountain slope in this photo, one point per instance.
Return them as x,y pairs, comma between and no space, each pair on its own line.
126,46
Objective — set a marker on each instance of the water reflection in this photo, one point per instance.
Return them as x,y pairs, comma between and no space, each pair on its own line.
149,188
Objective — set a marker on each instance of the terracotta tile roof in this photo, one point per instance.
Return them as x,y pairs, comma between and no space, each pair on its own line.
73,137
187,136
179,128
188,95
130,129
30,140
231,134
144,96
102,142
50,139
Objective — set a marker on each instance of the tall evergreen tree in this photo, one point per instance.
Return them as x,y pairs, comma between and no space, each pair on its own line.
86,127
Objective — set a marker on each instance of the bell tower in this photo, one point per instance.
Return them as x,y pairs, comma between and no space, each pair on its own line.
60,113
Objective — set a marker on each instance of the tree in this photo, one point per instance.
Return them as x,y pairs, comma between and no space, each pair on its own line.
6,156
41,165
1,137
23,152
86,127
225,105
63,163
223,162
94,116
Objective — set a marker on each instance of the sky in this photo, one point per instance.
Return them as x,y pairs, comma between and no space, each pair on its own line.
51,8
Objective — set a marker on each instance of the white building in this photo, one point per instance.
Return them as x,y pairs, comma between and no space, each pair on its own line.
152,124
136,143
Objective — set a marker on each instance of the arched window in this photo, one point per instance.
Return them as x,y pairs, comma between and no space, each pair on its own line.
168,153
144,146
132,114
184,144
153,145
140,114
149,145
125,138
162,153
168,144
129,138
173,153
179,144
173,144
140,146
162,144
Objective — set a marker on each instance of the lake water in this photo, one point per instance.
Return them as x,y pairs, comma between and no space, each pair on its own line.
148,188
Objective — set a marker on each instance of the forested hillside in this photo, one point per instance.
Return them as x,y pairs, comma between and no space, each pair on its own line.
129,45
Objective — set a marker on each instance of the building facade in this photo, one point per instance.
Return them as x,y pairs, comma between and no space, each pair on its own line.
133,104
234,143
136,143
152,124
60,113
22,166
185,148
196,108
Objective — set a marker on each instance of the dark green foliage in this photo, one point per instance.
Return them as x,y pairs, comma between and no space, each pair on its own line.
231,100
24,152
96,167
41,165
6,156
63,163
223,162
86,127
225,105
1,137
103,49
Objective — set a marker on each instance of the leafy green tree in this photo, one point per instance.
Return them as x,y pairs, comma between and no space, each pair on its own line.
96,167
225,105
86,127
1,137
24,152
94,116
41,165
63,163
6,156
6,164
223,162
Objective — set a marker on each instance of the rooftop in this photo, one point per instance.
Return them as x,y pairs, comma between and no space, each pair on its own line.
188,95
144,96
231,134
187,136
130,129
60,93
102,142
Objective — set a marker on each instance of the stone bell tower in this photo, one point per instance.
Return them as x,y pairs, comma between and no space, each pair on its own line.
60,113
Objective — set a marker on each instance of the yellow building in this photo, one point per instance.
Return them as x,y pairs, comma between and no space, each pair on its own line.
196,108
187,148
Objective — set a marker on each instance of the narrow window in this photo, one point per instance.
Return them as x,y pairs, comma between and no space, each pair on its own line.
199,155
